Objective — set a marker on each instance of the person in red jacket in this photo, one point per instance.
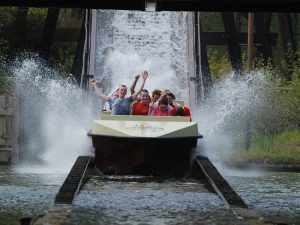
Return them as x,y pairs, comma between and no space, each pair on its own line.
181,111
141,107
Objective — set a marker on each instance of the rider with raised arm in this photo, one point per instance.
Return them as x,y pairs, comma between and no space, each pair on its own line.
120,105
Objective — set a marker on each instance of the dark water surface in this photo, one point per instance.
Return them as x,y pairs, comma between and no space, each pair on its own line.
275,196
26,194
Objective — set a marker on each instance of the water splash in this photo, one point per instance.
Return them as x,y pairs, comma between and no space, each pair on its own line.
130,42
58,114
55,117
222,118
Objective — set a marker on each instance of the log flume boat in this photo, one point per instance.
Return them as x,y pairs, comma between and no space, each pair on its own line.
144,145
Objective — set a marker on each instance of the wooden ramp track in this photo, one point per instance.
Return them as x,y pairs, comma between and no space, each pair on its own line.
73,182
67,193
219,184
226,192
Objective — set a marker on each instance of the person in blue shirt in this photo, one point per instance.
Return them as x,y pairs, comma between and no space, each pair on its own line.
121,104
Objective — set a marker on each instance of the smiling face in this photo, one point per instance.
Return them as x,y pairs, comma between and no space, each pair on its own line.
122,91
144,97
170,99
155,98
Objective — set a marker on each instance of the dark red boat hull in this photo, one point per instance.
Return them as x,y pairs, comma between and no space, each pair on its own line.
143,156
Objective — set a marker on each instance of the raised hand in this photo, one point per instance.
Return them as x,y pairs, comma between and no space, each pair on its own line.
145,75
137,77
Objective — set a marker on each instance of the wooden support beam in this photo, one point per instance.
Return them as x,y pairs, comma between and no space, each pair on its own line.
18,30
233,47
86,4
287,31
229,5
49,30
206,75
79,53
250,47
262,25
168,5
288,40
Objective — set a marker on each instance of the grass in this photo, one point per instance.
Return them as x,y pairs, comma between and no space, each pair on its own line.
280,148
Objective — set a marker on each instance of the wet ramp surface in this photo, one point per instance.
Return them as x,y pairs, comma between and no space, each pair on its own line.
139,200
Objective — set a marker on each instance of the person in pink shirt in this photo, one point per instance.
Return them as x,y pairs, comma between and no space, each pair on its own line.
162,109
155,97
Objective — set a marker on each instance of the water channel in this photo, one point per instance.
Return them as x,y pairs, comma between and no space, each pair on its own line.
274,195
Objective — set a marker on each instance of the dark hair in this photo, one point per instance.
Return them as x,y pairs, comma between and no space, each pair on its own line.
156,92
145,91
180,112
163,100
171,95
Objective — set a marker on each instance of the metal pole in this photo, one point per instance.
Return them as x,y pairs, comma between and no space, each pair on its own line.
198,75
250,55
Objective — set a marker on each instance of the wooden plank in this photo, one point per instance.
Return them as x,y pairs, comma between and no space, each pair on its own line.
168,5
6,129
8,134
88,4
229,5
7,107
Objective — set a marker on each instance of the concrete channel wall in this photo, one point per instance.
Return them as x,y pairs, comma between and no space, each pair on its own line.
8,129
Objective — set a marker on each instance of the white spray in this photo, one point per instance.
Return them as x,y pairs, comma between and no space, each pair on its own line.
55,117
